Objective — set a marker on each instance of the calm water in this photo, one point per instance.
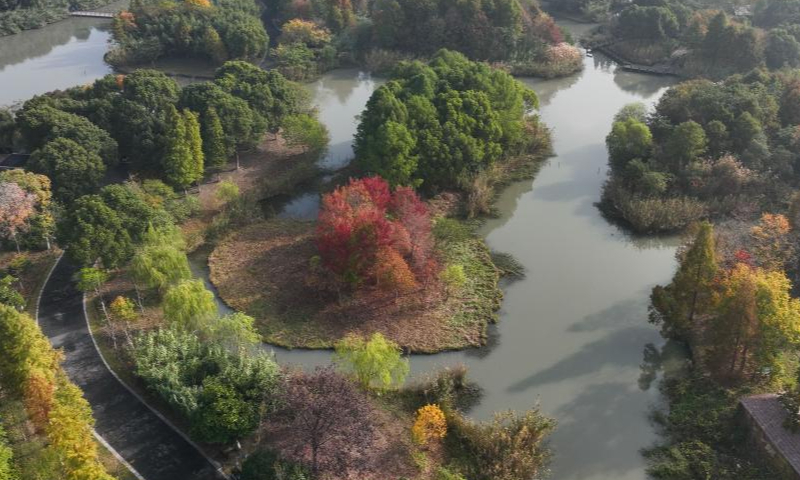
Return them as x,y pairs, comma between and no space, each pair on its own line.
572,333
61,55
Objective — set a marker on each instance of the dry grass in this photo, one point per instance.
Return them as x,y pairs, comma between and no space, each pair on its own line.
273,168
262,270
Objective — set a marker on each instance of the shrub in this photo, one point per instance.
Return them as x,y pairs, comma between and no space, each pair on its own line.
267,465
430,425
652,215
376,363
508,448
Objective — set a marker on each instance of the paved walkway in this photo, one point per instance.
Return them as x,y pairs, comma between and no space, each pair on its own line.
144,440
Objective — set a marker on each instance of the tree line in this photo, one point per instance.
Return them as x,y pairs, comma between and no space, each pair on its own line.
30,371
218,31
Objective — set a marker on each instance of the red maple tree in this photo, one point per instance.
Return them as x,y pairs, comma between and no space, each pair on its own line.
367,233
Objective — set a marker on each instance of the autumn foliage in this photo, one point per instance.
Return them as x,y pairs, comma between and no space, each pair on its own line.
430,424
368,234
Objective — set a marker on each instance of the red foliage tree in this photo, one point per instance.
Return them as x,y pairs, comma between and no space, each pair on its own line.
365,220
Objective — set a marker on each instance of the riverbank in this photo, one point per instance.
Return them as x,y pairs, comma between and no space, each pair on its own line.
22,19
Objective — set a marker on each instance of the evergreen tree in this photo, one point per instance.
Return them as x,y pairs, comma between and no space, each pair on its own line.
214,148
183,160
676,305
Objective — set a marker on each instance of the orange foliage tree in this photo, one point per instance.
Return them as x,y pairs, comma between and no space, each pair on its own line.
430,424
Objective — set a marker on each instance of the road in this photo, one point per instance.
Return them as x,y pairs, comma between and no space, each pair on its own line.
154,449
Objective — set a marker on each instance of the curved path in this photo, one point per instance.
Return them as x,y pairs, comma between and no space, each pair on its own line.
144,440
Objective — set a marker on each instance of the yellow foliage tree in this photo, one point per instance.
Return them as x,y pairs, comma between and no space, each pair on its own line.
303,31
70,434
772,245
198,3
431,424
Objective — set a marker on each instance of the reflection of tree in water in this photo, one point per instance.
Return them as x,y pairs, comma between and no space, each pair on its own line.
546,90
672,360
641,84
36,43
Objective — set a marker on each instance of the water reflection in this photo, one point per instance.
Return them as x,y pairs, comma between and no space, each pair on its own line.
340,97
58,56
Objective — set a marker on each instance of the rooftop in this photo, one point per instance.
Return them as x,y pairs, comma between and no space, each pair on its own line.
767,411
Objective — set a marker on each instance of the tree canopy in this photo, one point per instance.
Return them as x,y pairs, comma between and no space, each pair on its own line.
439,124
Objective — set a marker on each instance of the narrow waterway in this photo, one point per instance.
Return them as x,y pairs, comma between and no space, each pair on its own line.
572,333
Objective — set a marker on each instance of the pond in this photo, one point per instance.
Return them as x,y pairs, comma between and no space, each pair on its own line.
58,56
571,334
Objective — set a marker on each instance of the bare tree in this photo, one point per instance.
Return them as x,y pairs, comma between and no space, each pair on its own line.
329,420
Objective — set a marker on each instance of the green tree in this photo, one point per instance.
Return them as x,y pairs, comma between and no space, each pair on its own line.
629,139
73,170
160,266
686,143
215,149
183,159
188,304
9,295
307,132
376,363
151,89
222,415
92,230
7,468
676,305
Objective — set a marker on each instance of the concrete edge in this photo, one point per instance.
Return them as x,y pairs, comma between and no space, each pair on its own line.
213,462
117,455
44,285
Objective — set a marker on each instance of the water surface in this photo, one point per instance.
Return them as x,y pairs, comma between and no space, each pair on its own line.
58,56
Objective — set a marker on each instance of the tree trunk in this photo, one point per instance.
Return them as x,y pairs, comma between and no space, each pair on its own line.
16,242
138,297
108,319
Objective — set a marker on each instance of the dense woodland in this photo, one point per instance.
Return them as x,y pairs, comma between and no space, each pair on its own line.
312,37
708,150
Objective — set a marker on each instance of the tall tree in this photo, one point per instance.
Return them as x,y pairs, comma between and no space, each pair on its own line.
74,170
92,230
330,419
676,306
16,208
183,158
215,149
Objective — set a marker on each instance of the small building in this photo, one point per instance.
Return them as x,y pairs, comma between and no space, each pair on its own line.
764,416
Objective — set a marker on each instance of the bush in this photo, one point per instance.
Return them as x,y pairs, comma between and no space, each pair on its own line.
267,465
652,215
510,447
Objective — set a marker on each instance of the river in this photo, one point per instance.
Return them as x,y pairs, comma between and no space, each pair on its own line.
572,332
